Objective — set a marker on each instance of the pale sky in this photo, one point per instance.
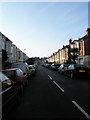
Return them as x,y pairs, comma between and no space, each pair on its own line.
43,27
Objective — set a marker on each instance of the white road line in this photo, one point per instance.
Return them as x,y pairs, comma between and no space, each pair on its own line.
88,116
58,86
50,77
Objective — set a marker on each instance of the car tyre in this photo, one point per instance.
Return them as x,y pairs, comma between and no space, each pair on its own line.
21,89
72,75
27,82
18,98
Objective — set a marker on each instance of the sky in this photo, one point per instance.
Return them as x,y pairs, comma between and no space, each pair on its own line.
41,28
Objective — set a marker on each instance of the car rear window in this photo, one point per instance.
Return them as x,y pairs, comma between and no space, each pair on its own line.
21,66
10,73
81,66
3,77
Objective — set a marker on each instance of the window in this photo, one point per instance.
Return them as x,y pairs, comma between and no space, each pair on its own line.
19,72
69,67
3,44
3,77
72,66
10,73
62,65
71,46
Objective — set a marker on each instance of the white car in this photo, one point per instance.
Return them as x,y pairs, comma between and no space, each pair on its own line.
31,70
63,68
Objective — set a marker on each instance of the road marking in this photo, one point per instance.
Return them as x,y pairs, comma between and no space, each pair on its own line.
58,86
50,77
88,116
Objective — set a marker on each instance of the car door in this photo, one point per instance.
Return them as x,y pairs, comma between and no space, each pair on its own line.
69,70
9,96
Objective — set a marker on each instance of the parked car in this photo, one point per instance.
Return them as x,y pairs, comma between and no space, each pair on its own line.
23,66
77,70
55,66
35,65
9,93
43,64
63,68
16,75
31,70
47,65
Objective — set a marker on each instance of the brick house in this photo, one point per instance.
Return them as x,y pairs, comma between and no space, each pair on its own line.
84,49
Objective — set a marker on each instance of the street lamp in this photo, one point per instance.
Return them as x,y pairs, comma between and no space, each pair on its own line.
24,50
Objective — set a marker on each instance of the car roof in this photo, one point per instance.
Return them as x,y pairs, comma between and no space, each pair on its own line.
10,69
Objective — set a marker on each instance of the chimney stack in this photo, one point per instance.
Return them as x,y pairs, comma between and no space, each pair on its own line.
70,41
88,31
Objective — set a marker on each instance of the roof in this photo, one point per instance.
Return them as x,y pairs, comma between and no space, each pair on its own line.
84,37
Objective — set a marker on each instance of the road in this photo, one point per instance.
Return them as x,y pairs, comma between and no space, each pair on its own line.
52,95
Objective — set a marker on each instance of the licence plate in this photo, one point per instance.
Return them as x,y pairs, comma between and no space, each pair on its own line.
81,70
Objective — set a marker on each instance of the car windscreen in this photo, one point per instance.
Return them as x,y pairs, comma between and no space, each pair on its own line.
30,67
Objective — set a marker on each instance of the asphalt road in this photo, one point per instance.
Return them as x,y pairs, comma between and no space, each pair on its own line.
52,95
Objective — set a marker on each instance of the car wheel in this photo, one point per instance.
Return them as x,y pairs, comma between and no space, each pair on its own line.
27,82
72,75
21,89
62,72
65,73
18,98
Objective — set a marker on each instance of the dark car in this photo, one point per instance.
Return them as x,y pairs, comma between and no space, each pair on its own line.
16,74
9,93
63,68
55,66
47,65
77,70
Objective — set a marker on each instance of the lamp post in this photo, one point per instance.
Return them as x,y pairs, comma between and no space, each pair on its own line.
24,50
24,54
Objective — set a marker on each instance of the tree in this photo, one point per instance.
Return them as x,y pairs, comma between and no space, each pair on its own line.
72,55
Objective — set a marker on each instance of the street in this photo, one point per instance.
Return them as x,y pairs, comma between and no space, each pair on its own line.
52,95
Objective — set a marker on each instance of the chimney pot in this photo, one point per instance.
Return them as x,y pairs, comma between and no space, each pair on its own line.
88,31
70,41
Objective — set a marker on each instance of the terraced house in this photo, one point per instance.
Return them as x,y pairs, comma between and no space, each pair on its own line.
12,51
84,49
77,51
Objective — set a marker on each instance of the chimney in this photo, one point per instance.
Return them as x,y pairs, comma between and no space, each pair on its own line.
63,46
88,31
70,41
